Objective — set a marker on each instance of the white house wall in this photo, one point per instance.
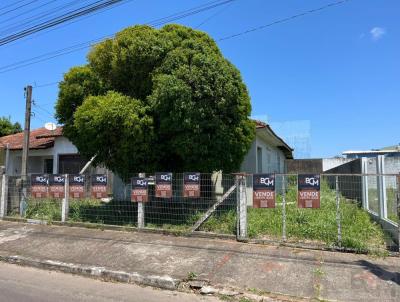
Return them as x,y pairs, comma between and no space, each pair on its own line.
273,159
36,157
249,163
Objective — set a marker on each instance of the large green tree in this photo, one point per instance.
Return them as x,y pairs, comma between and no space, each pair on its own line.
153,99
7,127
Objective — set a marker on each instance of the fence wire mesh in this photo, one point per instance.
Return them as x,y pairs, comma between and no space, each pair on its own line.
354,212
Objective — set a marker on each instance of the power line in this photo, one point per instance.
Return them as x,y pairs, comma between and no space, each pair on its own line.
28,11
284,20
83,45
214,15
12,4
87,9
43,109
41,15
16,8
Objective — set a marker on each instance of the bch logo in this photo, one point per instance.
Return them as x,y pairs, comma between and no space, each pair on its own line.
41,179
58,179
312,181
166,177
266,181
193,177
141,182
78,178
101,179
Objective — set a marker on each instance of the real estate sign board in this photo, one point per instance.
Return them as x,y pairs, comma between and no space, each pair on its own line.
39,184
191,184
309,191
164,184
140,192
76,186
56,186
264,190
99,186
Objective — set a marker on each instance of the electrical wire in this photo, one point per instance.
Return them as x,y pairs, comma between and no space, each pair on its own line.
87,9
16,8
283,20
83,45
12,4
27,12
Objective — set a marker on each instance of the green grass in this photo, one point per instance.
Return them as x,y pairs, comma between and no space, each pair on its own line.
43,209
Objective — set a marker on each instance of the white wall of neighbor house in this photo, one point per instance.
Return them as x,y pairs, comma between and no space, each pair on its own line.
261,158
330,163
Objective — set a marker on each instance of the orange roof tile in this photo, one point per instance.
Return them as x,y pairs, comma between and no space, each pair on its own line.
39,139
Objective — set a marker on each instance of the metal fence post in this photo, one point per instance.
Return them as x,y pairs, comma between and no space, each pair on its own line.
364,179
65,201
242,200
398,210
140,217
4,196
338,216
283,208
381,186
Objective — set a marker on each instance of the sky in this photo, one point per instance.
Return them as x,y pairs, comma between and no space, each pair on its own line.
338,68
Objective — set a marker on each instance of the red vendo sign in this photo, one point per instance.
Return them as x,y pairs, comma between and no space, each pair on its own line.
191,185
164,185
139,191
57,186
39,186
99,186
263,191
309,191
77,186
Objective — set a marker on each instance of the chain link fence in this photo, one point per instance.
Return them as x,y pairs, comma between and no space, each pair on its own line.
357,212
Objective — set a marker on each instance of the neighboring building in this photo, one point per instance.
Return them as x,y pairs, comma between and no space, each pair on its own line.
268,152
391,151
314,165
49,152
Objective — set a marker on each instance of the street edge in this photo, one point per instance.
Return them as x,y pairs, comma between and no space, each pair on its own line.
162,282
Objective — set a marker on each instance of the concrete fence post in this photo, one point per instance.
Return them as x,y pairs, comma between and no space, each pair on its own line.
338,215
242,201
65,201
283,208
364,182
140,215
4,196
398,210
380,167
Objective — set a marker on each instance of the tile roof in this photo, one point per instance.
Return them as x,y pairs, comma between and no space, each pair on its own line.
39,139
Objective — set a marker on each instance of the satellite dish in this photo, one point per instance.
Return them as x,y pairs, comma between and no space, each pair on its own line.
50,126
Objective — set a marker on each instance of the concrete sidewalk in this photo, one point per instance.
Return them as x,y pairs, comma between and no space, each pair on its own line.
166,261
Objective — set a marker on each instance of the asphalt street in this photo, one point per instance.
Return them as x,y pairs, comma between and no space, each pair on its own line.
24,284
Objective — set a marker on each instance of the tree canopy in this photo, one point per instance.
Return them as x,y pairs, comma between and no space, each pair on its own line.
7,127
152,99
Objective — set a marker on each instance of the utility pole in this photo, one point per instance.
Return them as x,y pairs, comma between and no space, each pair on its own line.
25,146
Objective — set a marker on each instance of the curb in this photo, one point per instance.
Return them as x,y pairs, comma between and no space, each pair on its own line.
163,282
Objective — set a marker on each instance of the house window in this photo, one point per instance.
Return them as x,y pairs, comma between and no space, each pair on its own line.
259,160
48,166
70,164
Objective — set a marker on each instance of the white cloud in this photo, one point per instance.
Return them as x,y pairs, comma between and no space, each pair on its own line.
377,33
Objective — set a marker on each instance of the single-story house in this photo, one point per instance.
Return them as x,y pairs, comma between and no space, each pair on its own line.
268,152
49,152
52,153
